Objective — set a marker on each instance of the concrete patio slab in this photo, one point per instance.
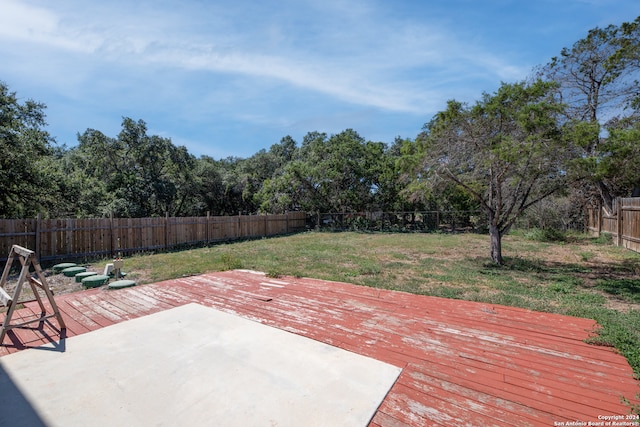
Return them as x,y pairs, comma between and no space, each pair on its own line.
187,366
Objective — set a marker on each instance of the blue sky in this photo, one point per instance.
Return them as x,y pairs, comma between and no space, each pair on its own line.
228,78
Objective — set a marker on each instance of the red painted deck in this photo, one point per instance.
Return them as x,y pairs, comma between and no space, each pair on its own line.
463,363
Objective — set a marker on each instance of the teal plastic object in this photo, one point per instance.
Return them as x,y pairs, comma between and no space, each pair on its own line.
84,275
72,271
95,281
59,267
119,284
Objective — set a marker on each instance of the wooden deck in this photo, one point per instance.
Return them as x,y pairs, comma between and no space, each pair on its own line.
463,363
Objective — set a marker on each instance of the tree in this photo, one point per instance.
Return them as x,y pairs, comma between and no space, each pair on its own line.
618,162
72,191
144,175
339,173
207,188
506,151
24,144
597,79
418,190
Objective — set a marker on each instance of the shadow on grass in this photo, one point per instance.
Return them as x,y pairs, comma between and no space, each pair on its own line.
534,265
579,283
580,290
616,279
626,289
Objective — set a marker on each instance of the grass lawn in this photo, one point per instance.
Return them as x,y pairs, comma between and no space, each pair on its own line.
579,276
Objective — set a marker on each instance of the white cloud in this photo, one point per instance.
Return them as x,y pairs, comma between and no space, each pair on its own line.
20,20
37,25
359,59
270,67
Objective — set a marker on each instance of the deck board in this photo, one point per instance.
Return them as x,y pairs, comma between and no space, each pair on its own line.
464,363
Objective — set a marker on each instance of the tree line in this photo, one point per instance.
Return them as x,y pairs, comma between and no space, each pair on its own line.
134,174
570,131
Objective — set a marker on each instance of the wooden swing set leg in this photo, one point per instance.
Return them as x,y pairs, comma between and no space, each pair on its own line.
27,259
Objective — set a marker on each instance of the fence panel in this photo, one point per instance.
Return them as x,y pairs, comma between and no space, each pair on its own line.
187,230
609,223
630,227
90,237
276,224
223,228
623,223
16,232
66,238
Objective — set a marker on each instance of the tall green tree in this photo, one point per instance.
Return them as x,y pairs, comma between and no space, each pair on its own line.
72,192
598,80
506,151
269,197
340,173
207,188
416,187
618,162
25,145
144,175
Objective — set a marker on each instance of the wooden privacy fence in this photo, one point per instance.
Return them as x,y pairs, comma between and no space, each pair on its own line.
623,223
107,237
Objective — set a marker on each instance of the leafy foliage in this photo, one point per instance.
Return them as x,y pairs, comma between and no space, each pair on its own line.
598,80
141,175
506,151
26,149
337,173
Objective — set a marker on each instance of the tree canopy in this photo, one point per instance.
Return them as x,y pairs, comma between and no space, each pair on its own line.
598,81
506,151
26,148
340,173
141,175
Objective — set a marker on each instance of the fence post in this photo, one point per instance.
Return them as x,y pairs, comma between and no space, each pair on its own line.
206,232
166,230
112,235
619,220
38,228
286,222
599,212
69,237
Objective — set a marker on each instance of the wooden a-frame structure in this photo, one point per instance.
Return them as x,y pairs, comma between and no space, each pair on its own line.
27,259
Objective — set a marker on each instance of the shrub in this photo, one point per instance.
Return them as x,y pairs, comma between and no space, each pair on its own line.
545,235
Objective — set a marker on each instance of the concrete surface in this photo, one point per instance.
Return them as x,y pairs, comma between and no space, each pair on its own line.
191,366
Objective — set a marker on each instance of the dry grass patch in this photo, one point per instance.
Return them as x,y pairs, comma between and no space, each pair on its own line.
578,276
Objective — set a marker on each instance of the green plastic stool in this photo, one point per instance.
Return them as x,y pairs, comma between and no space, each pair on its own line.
84,275
119,284
95,281
59,267
72,271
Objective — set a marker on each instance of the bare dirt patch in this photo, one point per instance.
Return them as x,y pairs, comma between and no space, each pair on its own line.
58,283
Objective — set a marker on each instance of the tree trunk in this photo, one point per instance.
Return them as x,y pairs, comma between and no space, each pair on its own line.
496,244
605,197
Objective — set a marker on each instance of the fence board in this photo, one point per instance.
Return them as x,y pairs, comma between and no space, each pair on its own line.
631,223
224,228
16,232
66,238
623,224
